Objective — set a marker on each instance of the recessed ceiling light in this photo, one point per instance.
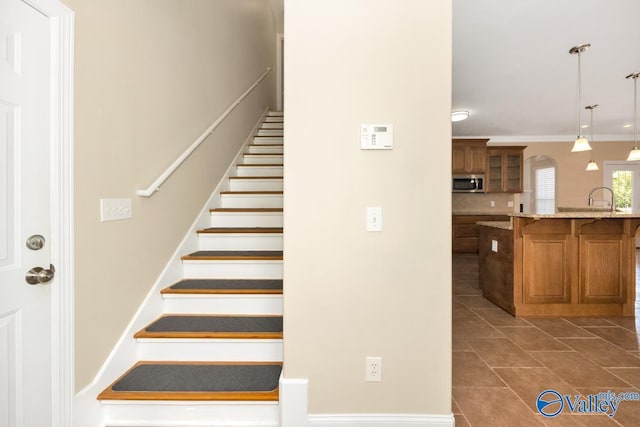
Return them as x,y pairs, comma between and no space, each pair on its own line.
459,115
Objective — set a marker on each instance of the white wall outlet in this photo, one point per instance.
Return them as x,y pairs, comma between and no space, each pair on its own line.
374,368
494,246
510,204
115,209
493,203
374,219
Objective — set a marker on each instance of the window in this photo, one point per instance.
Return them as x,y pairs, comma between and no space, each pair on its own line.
545,190
622,186
624,179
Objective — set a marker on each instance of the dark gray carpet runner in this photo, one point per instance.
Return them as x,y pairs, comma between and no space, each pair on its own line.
227,284
200,378
232,254
216,324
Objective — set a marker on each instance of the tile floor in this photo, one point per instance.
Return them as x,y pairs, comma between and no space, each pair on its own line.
501,363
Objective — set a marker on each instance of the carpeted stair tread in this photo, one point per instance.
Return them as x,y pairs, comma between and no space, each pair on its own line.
225,286
233,255
220,326
197,381
241,230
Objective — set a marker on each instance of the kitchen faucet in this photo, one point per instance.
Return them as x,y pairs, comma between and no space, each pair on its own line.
613,197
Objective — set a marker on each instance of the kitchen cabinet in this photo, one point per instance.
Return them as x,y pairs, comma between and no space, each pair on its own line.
559,265
468,156
465,231
504,169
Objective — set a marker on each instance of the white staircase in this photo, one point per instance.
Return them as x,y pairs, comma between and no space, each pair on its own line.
242,244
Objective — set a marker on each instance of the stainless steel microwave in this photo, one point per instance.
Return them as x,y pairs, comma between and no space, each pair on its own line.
468,184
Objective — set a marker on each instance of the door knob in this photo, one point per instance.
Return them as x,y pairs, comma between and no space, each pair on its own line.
38,275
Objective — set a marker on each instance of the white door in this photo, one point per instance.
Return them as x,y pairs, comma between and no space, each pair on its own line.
25,193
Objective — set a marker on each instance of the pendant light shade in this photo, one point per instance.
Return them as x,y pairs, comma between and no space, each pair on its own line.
592,165
635,152
581,143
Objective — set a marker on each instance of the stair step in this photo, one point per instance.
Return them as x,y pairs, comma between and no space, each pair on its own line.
246,217
213,326
233,255
256,183
241,230
270,132
274,119
210,349
197,381
260,170
147,413
225,286
224,303
275,114
266,148
249,199
261,139
272,125
262,158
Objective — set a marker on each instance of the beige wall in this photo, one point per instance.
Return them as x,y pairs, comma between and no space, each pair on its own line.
151,76
350,293
573,181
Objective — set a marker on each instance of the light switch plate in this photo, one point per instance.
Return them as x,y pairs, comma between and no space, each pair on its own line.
374,219
115,209
494,246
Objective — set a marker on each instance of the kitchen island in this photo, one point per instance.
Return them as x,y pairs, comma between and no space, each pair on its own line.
563,264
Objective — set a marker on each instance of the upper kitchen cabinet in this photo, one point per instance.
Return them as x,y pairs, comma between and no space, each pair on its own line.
504,169
468,156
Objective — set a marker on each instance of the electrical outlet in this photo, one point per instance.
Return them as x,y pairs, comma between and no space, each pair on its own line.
374,368
493,203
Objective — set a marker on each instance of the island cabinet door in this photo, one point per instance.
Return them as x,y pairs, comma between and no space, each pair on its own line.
548,268
605,268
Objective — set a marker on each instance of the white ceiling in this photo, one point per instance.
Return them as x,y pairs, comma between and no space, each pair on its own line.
513,72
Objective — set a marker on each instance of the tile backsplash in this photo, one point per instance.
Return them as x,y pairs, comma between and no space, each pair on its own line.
481,203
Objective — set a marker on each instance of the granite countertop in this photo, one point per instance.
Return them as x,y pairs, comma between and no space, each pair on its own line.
579,214
481,213
505,225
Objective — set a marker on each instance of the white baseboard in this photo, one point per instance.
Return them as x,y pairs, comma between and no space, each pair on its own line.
293,402
380,420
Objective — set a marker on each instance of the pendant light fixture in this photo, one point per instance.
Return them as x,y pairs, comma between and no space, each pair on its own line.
634,154
581,143
592,165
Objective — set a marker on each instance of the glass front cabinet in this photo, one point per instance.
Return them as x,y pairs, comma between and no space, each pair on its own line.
504,169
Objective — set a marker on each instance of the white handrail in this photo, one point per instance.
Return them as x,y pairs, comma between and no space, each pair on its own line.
155,186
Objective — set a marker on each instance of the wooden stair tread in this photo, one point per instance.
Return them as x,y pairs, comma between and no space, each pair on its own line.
202,381
233,255
214,326
266,145
263,154
246,210
225,286
241,230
